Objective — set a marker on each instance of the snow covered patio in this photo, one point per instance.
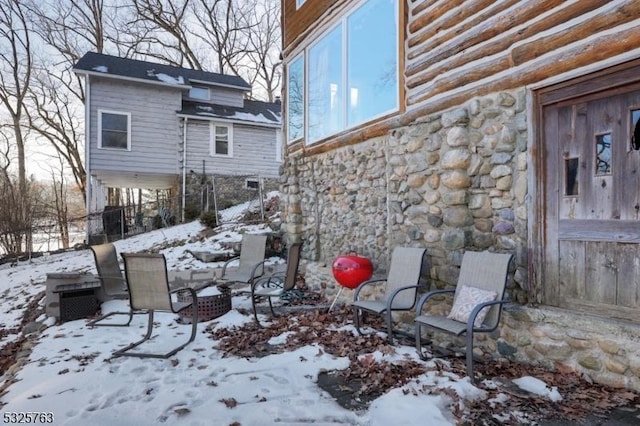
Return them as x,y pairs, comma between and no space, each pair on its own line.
308,366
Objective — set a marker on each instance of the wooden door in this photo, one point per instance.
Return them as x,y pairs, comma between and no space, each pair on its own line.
591,197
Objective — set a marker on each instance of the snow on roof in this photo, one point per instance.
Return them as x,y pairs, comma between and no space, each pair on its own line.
166,78
251,111
154,72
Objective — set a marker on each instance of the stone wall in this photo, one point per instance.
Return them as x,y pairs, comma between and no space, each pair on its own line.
451,182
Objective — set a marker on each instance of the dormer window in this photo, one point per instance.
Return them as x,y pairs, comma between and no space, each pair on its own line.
200,92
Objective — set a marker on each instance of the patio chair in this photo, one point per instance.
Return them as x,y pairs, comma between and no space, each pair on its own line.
250,262
477,302
113,285
276,284
402,284
149,291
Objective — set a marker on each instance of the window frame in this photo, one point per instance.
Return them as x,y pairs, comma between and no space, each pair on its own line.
342,22
299,3
302,57
212,139
101,112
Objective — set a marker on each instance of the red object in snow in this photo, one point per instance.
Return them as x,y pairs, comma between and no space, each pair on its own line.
352,270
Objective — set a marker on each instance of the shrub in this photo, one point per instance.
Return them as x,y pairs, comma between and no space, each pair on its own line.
209,219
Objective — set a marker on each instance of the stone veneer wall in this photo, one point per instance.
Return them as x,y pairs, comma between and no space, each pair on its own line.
451,182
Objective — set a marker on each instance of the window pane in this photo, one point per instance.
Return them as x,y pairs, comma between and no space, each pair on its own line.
295,100
199,93
221,144
603,154
114,122
222,147
635,129
114,130
372,69
325,86
114,139
571,176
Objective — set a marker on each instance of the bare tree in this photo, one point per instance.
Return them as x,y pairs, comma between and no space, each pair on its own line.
264,42
15,76
224,27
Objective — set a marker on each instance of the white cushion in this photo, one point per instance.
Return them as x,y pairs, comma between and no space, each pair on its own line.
467,299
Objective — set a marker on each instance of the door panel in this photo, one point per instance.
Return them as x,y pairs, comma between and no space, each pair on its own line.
592,203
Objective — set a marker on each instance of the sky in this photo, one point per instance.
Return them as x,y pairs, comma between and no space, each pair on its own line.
70,371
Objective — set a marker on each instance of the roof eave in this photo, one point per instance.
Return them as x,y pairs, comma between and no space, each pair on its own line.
132,79
227,120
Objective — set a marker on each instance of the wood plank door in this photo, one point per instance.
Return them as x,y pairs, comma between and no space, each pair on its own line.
592,201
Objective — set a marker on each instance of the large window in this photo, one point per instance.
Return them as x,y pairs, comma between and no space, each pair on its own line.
295,99
325,86
114,130
351,74
221,140
372,61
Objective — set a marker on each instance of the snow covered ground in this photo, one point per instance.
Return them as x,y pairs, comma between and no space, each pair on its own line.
70,372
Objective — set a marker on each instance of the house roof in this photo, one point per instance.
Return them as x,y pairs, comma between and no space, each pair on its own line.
253,111
100,64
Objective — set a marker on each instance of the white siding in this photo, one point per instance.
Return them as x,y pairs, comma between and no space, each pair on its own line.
154,127
254,151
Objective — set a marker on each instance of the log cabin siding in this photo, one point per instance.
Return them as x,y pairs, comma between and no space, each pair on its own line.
154,127
253,150
297,21
509,44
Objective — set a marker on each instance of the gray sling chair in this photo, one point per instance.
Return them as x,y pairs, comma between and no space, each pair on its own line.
276,284
149,291
250,262
113,285
402,284
477,302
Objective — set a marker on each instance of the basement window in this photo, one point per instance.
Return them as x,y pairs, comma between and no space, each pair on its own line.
253,184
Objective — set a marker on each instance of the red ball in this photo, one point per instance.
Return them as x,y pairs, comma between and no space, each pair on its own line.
352,270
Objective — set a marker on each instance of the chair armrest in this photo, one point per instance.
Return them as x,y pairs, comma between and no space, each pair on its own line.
224,267
428,295
476,310
266,280
366,283
194,295
397,291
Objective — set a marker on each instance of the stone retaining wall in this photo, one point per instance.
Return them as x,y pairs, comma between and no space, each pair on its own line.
451,182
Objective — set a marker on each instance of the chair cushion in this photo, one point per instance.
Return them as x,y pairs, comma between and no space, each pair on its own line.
468,298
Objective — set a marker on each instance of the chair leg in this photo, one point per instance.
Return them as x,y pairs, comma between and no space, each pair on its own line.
123,351
418,331
255,311
96,322
356,319
470,357
389,327
194,329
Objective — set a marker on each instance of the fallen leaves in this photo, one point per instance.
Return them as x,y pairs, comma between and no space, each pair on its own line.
368,377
